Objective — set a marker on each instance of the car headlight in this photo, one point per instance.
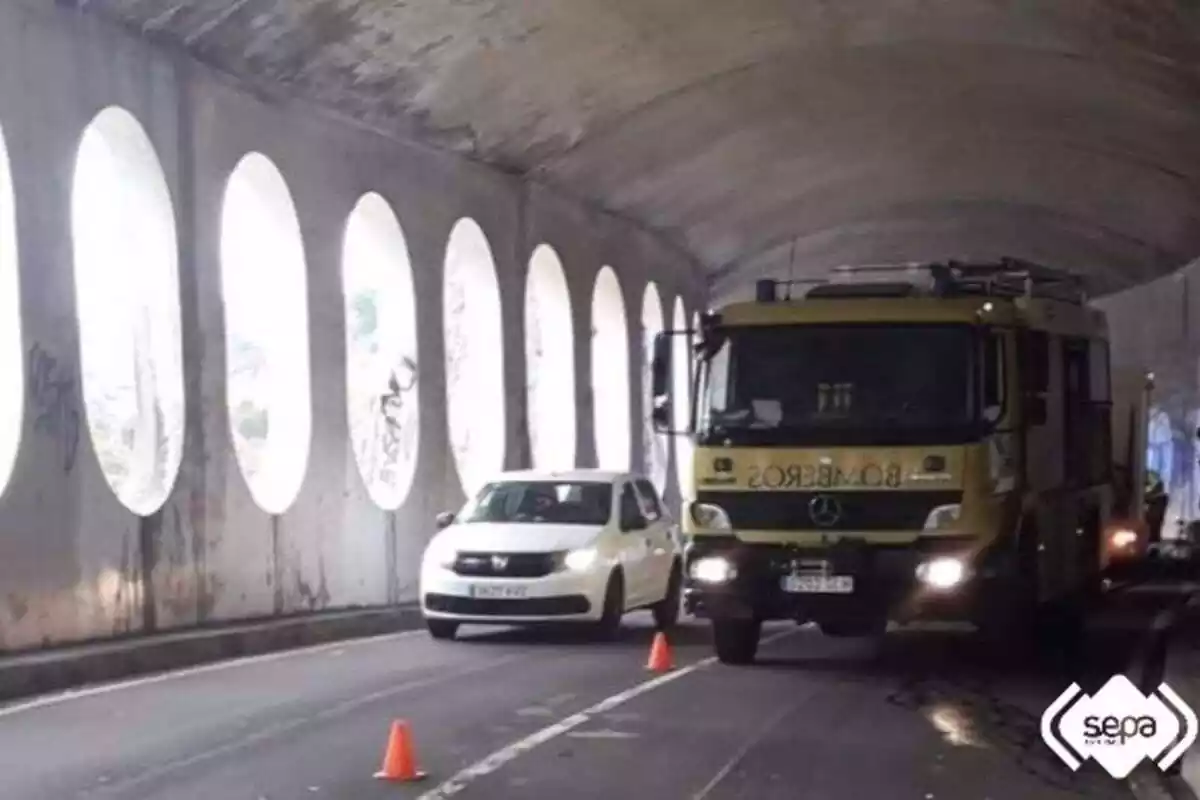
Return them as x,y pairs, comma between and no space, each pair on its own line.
441,553
942,573
580,560
943,517
713,569
710,516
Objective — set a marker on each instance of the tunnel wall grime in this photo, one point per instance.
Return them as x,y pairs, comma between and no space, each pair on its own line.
75,564
1155,328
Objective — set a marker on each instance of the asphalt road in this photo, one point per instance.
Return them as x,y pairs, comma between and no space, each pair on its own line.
504,714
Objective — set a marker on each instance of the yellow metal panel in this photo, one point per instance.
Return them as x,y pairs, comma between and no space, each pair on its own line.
834,468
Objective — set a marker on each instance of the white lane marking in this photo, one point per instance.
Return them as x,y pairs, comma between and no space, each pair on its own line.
758,736
244,661
504,755
602,734
277,729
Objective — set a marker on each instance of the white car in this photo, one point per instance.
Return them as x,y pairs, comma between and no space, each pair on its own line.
532,547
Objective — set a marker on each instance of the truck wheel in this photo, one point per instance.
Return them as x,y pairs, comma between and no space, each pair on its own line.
736,640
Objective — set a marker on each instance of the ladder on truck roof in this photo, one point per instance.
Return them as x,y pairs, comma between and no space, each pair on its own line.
1008,277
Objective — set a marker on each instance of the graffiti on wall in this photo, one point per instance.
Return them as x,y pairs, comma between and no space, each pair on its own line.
53,402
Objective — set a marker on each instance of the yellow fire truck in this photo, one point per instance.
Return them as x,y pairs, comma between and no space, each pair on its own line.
930,441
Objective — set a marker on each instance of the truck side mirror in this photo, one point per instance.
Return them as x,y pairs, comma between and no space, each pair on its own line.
1035,410
660,414
660,366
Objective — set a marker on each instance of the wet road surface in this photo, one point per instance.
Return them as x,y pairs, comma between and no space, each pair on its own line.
503,714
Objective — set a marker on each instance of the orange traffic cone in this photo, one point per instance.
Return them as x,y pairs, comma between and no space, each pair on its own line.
660,654
400,760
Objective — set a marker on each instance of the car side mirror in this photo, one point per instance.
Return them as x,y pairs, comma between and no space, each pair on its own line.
1035,410
445,520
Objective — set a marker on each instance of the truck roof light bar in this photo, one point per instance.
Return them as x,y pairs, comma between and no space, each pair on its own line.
1007,277
766,290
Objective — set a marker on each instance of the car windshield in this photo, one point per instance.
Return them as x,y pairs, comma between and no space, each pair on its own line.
823,384
548,502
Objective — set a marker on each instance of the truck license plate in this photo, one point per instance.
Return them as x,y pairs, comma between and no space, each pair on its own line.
818,584
488,592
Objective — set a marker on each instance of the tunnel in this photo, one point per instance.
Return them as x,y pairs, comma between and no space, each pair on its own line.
282,280
310,200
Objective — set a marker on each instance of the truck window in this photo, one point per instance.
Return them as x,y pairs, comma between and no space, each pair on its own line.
1087,416
844,383
1100,390
1035,361
993,377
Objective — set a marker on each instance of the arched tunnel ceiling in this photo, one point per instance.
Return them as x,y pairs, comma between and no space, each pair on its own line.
841,131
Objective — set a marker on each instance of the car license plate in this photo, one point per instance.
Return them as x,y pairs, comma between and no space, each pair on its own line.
491,592
818,584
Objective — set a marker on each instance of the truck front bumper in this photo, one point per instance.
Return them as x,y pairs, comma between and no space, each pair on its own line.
886,580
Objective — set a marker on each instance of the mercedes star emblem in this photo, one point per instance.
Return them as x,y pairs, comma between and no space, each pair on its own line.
824,510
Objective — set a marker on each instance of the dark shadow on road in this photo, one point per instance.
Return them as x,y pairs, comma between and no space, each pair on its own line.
557,635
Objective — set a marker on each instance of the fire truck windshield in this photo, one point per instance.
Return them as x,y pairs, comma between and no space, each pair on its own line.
844,384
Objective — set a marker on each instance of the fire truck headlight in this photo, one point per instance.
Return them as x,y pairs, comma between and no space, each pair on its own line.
942,573
1123,539
713,569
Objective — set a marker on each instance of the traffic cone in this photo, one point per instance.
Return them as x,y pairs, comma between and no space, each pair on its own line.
400,760
660,655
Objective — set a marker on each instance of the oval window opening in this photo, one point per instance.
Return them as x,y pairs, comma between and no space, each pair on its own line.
12,396
549,362
127,298
381,351
264,288
610,373
474,356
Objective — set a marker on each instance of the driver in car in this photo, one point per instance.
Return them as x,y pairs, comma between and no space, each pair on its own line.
539,503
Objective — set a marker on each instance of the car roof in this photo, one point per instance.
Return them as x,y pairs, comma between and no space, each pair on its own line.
585,474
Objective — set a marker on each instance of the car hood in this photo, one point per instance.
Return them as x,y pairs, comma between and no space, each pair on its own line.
496,537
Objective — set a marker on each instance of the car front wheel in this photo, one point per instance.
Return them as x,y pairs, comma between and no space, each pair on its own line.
614,607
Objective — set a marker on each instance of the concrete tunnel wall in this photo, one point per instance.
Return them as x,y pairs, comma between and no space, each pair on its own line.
1155,328
77,564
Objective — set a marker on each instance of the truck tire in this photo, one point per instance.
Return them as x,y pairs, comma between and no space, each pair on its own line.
736,640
